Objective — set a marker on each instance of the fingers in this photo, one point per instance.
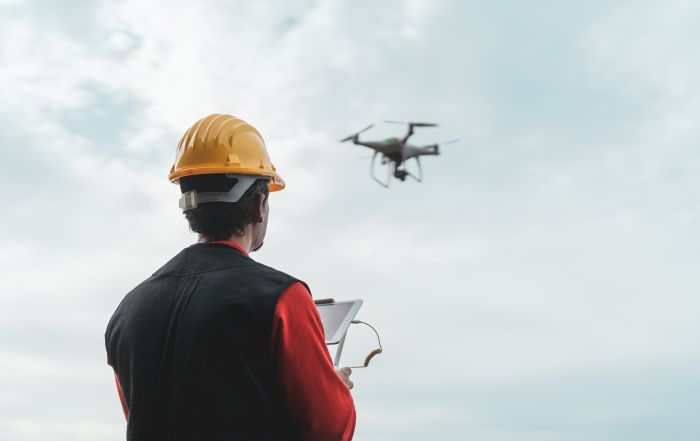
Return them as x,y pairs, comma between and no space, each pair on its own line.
344,374
346,377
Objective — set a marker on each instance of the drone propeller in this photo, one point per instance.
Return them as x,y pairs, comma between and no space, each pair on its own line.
414,124
451,141
348,138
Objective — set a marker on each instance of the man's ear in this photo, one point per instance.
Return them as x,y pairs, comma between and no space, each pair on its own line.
256,208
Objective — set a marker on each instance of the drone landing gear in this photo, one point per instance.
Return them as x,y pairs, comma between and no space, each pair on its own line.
405,172
371,172
398,172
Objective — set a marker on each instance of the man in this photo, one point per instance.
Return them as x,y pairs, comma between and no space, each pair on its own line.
215,346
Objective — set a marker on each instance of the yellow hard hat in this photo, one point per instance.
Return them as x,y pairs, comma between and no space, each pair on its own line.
223,144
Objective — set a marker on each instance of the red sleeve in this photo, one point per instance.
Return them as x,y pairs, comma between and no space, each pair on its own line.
121,397
317,399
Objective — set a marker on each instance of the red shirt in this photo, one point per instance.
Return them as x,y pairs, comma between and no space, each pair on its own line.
317,399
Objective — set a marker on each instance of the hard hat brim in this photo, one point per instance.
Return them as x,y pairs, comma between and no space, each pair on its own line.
276,182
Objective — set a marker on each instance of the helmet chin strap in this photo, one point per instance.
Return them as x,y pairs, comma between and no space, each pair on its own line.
191,199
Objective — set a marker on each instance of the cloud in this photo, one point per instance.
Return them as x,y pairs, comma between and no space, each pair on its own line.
553,243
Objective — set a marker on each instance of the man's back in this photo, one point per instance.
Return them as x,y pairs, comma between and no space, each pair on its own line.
215,346
192,349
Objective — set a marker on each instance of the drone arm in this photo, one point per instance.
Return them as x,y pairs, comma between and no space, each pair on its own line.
355,136
408,133
357,141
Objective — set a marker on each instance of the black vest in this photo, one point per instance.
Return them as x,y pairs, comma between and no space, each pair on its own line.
191,346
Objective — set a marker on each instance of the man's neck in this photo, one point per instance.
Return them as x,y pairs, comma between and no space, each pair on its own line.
244,241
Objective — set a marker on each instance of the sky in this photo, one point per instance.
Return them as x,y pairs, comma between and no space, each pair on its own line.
538,285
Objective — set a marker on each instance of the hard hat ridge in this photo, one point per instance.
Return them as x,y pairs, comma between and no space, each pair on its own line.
224,144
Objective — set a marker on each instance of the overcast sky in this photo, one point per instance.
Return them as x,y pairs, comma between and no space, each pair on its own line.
539,285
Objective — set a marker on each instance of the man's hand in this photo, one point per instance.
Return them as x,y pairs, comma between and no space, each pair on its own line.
344,374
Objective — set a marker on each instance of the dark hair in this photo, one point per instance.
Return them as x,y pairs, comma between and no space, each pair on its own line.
219,220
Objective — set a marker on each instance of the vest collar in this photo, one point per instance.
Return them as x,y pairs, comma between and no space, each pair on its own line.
232,245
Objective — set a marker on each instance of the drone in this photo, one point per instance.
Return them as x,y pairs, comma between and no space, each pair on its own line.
396,151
